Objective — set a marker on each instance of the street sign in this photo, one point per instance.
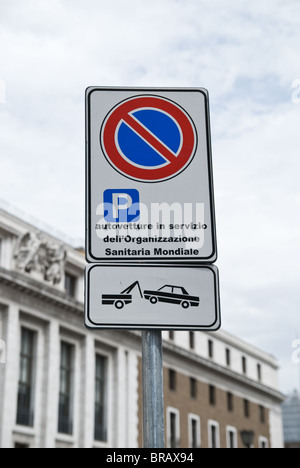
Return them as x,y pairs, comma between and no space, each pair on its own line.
152,297
148,139
149,176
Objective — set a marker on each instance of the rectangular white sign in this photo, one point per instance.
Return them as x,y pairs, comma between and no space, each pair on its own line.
149,186
152,297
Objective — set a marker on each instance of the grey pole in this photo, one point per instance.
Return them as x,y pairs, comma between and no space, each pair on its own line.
153,392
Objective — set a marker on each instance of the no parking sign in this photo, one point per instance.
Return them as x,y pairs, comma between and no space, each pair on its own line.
149,176
148,138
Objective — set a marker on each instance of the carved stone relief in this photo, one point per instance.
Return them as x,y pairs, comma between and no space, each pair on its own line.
35,253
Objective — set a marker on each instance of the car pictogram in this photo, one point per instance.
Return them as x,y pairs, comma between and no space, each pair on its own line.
172,295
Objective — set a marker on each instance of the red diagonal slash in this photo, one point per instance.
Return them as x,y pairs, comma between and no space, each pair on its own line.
149,138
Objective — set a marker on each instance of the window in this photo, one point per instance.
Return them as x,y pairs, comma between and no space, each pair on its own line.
210,349
194,431
193,387
192,340
101,399
213,434
70,285
212,395
65,423
228,357
172,380
231,437
26,378
173,290
263,443
167,289
230,404
259,372
262,414
173,428
18,445
246,409
244,365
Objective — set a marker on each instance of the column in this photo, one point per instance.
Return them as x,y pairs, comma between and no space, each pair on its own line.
121,408
132,401
87,394
50,416
10,391
127,399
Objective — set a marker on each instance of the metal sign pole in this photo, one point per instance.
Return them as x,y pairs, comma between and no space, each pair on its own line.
153,395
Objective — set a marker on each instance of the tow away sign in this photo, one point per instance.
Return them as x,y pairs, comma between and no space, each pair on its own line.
152,297
149,186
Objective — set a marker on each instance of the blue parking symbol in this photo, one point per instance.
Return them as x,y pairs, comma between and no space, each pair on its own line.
121,206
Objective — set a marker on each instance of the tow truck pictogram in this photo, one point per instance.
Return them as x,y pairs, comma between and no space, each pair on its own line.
120,300
168,293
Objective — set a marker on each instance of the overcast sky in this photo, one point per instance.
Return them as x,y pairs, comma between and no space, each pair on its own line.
247,54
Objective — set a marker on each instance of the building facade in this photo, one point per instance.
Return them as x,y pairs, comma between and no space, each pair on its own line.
64,386
291,420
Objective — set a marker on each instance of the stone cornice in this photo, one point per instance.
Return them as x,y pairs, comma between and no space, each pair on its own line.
23,283
192,359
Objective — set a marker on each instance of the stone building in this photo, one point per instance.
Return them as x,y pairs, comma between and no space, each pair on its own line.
291,420
62,385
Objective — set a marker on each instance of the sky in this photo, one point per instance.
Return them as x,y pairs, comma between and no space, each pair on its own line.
247,54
